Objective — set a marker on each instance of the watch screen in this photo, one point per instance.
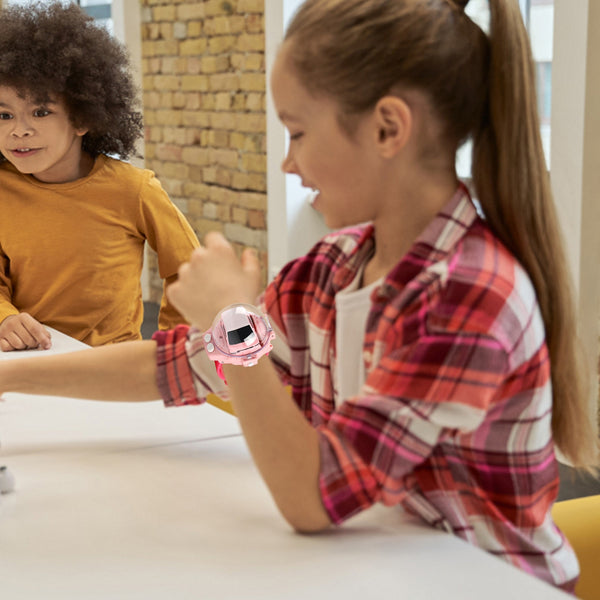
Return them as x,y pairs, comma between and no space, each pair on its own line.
237,336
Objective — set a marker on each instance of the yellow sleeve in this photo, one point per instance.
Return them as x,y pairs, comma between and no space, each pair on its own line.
172,238
6,307
168,317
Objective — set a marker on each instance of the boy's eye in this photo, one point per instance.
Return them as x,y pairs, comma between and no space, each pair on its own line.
41,112
296,136
5,116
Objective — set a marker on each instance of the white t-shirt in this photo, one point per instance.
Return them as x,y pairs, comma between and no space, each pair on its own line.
352,305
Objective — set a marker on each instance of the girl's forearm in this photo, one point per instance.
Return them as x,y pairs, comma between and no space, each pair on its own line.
284,446
118,372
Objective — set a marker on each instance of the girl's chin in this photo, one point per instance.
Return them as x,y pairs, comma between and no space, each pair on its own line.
332,221
316,203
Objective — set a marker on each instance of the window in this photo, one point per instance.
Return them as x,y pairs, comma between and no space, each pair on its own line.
539,20
100,10
539,17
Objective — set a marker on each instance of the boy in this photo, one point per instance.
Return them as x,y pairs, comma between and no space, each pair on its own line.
75,219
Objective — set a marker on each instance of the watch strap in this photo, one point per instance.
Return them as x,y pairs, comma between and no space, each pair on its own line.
219,368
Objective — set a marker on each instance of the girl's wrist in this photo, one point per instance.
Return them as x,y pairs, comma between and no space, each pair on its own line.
239,335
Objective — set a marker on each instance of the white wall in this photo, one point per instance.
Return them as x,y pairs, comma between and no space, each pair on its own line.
292,224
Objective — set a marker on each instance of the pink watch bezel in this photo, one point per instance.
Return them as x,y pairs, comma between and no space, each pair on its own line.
221,339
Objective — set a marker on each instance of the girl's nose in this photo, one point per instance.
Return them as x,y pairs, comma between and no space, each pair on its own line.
289,165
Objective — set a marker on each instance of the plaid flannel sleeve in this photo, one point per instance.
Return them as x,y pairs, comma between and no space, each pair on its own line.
185,374
411,402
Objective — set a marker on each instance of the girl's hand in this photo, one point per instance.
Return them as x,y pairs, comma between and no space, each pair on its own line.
213,279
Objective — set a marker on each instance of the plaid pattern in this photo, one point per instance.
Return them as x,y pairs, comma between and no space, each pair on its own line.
453,421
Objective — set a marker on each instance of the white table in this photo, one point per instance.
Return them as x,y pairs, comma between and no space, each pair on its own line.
94,425
123,501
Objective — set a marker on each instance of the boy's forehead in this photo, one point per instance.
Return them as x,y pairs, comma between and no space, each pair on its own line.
37,97
25,95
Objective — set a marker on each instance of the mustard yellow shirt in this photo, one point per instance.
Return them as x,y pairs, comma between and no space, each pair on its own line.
71,254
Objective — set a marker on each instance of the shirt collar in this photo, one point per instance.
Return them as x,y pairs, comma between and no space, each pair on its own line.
436,241
357,258
448,227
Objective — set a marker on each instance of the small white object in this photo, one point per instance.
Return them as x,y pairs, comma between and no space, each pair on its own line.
312,196
7,481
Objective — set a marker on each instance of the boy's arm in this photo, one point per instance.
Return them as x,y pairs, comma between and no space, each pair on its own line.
6,307
171,236
18,331
168,316
118,372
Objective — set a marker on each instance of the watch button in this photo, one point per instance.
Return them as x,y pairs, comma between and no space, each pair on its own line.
210,347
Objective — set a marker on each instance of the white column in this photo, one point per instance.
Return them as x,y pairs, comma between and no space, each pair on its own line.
575,162
292,224
127,24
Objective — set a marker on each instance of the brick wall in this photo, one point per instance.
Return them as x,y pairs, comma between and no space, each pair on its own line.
204,108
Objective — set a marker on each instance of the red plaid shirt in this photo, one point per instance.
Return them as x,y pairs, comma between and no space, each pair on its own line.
453,421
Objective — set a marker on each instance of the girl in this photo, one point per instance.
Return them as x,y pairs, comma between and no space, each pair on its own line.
429,350
75,221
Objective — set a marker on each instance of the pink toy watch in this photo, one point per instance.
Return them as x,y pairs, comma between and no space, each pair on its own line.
240,335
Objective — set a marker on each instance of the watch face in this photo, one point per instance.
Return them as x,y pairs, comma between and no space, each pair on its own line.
239,327
239,334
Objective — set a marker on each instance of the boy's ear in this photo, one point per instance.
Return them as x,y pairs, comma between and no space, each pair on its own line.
393,118
80,128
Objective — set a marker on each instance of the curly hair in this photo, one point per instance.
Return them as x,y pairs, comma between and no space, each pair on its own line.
55,51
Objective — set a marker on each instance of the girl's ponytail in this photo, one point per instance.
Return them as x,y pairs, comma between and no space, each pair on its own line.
512,184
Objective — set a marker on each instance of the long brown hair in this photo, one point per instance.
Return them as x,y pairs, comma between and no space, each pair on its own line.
482,87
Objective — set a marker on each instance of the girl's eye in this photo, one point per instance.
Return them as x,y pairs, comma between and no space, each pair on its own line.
5,116
41,112
296,136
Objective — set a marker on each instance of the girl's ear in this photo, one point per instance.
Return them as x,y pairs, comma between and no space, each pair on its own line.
393,119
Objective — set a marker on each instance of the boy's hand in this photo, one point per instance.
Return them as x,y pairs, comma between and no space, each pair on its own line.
23,332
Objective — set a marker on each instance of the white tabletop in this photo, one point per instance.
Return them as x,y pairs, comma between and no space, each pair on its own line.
135,501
